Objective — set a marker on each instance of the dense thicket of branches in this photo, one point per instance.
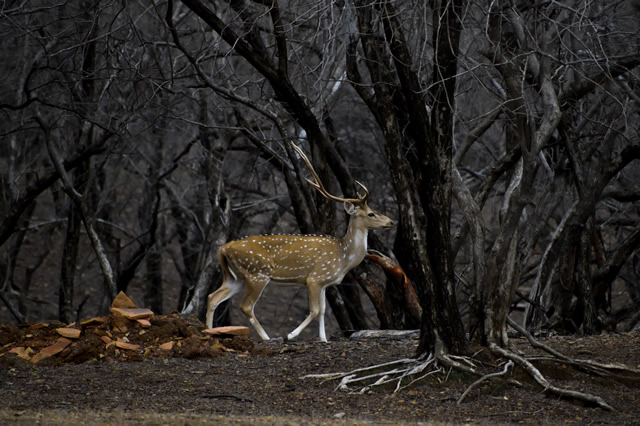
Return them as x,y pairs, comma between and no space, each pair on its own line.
136,138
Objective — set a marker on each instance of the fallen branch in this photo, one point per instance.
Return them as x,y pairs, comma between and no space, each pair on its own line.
386,334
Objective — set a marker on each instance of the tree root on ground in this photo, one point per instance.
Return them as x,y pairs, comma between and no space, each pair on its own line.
405,372
542,381
612,370
504,371
382,374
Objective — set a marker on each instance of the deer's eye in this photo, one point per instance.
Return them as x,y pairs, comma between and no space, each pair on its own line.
372,214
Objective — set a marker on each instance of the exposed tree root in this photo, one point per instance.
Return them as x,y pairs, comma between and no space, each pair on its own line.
504,371
542,381
613,370
405,372
380,374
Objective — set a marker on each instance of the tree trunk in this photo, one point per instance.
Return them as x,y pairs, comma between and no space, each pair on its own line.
153,293
215,149
66,311
423,190
436,176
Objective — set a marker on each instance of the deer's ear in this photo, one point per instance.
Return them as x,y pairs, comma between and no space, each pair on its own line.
350,208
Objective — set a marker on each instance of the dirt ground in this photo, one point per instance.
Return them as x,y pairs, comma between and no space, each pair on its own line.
168,371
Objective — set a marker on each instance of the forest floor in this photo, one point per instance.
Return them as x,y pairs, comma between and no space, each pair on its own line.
168,371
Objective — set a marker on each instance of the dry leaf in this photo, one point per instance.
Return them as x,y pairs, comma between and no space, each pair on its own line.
22,352
52,350
232,330
166,346
123,301
38,326
144,322
72,333
129,346
96,320
133,313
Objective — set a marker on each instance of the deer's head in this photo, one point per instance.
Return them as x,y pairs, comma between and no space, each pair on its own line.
357,208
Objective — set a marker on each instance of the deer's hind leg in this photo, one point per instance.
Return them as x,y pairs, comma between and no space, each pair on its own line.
255,286
229,288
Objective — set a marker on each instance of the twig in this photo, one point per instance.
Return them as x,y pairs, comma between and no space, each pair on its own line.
228,396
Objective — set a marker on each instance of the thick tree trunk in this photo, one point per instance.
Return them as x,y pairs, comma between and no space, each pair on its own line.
436,174
423,189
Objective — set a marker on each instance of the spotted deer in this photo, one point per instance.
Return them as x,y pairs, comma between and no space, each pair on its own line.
315,261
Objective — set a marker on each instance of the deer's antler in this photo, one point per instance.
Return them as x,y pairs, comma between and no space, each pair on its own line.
317,183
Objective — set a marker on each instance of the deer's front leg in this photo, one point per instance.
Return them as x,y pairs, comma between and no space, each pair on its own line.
316,297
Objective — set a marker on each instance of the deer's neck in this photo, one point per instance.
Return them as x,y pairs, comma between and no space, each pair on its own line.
354,243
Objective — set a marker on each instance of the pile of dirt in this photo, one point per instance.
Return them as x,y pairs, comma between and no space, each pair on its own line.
127,334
